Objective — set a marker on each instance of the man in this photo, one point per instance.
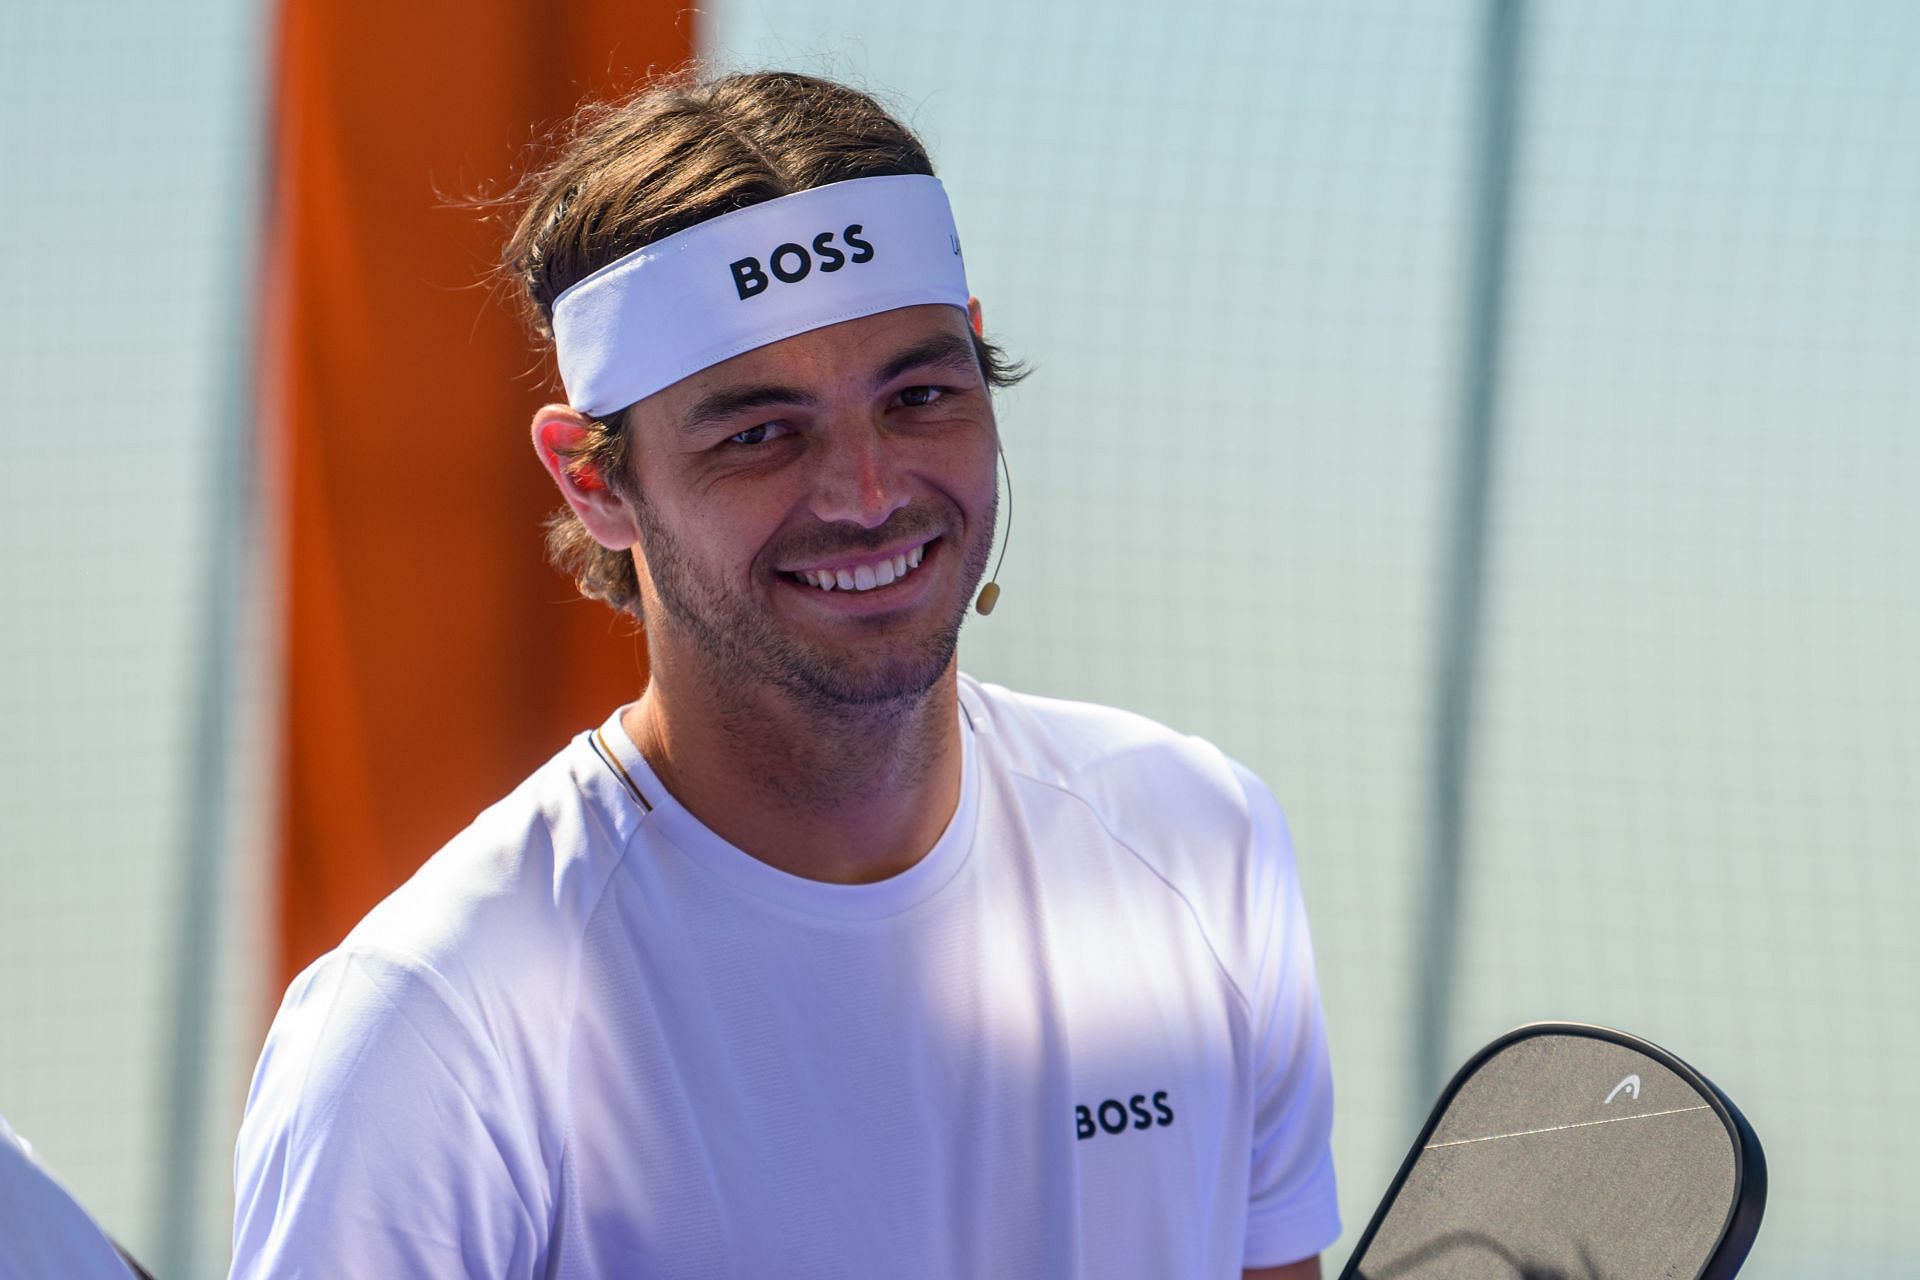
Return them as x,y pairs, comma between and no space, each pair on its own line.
820,959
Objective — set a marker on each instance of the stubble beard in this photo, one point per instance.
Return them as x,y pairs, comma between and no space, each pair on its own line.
743,646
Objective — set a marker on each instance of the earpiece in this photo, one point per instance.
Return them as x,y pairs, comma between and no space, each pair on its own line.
990,594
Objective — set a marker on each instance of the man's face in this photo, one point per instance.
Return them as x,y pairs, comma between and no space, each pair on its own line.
859,455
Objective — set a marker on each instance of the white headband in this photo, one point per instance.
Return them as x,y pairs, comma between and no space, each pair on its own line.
751,277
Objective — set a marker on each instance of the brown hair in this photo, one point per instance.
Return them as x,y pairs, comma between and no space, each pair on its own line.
679,152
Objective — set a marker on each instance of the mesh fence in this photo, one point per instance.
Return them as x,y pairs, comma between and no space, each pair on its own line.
127,150
1237,241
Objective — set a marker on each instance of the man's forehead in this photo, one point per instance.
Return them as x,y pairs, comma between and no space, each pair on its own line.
867,349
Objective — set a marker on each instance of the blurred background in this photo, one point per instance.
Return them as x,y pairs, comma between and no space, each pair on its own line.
1493,422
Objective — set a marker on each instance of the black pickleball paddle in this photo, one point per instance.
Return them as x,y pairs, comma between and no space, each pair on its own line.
1568,1152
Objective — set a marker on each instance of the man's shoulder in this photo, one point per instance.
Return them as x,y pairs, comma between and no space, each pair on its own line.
458,987
1151,785
504,902
1099,750
1206,828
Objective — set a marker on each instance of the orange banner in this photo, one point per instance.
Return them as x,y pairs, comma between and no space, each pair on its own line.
432,659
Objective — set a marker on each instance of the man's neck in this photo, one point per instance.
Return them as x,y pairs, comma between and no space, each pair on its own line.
848,799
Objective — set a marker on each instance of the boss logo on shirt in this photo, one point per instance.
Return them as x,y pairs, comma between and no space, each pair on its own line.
1115,1116
791,263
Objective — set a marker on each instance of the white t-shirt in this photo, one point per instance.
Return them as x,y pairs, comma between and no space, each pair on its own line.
1080,1038
43,1230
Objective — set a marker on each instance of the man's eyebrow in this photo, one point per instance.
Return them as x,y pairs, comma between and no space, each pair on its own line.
718,406
943,350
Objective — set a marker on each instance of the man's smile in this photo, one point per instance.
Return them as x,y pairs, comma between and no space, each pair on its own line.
865,573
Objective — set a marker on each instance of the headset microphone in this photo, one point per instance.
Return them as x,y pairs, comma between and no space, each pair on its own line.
990,594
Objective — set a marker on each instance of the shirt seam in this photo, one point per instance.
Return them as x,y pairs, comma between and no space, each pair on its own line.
436,985
1199,921
576,963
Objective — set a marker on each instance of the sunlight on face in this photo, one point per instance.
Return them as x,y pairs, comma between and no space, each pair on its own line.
817,513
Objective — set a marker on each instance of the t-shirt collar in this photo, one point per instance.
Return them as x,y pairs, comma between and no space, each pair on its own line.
666,817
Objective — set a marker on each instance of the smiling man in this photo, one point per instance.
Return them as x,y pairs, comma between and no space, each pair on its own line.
820,958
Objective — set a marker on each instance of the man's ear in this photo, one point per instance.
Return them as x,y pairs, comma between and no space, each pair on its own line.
559,433
975,318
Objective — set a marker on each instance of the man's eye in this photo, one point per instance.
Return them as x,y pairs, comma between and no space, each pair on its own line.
758,434
918,397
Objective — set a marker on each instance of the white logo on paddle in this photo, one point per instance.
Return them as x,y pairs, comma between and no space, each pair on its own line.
1631,1084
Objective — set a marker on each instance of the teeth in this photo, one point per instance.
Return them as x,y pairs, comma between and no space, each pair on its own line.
867,576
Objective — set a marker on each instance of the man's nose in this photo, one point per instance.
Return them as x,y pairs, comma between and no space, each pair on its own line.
861,478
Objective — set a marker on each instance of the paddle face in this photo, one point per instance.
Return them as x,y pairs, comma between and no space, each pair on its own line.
1566,1152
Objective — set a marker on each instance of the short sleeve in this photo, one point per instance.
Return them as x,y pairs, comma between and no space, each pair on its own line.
1293,1209
380,1138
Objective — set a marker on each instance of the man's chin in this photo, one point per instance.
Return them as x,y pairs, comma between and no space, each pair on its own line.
893,682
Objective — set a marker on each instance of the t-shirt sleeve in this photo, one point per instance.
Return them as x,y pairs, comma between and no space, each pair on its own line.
1293,1211
380,1139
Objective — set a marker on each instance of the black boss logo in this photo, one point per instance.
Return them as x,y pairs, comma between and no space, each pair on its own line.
1116,1116
790,263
